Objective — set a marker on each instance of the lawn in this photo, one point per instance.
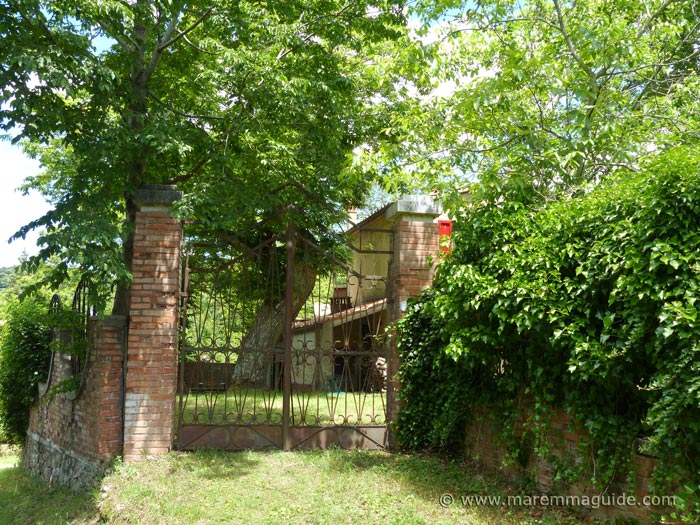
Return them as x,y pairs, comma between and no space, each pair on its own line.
25,500
323,487
8,456
248,406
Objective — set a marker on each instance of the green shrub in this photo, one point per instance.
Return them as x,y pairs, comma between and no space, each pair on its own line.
433,411
587,303
24,355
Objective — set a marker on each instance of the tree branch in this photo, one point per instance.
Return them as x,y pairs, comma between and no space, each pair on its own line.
206,157
195,46
660,66
203,161
36,16
155,58
570,44
124,41
170,40
308,24
182,113
647,25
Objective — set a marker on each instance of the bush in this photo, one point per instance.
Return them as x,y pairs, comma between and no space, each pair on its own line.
587,303
433,415
24,356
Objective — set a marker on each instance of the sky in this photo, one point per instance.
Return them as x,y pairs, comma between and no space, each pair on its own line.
16,210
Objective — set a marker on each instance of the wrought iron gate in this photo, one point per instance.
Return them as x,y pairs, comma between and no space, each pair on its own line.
281,344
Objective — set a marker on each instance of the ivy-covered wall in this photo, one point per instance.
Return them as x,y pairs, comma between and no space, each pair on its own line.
588,304
562,465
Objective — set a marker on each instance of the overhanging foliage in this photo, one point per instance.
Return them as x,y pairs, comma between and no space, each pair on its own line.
226,99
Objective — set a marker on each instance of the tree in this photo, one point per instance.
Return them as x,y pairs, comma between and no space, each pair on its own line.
16,284
227,100
537,98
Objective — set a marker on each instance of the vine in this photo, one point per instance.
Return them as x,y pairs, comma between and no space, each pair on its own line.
588,304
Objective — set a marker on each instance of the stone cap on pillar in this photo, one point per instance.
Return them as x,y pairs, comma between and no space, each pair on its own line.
417,207
156,197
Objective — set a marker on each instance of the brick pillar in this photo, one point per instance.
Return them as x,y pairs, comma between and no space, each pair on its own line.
151,366
416,241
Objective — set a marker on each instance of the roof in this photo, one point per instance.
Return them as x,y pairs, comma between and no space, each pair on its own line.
344,316
411,204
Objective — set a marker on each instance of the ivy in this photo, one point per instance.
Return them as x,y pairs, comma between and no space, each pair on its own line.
427,379
588,303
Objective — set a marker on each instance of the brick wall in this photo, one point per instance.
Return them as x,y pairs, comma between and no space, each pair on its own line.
415,251
564,440
151,367
73,436
415,243
126,402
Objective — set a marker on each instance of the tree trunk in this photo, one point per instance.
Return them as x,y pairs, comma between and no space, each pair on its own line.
135,117
258,348
122,297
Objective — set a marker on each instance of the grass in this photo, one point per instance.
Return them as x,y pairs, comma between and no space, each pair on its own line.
322,487
9,456
25,500
246,406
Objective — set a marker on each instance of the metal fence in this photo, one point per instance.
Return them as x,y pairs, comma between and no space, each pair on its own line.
282,346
